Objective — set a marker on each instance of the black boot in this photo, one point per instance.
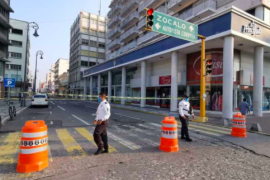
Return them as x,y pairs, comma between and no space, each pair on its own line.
105,151
98,151
183,137
188,139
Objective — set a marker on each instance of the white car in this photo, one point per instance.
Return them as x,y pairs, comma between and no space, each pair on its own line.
40,100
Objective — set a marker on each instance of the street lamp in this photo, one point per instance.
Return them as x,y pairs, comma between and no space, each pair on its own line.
41,57
34,26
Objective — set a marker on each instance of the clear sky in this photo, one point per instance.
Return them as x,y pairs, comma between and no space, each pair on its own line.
55,18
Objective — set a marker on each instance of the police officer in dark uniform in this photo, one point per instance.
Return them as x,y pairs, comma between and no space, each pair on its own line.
102,118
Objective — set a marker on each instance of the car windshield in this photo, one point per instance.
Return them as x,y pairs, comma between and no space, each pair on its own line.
39,96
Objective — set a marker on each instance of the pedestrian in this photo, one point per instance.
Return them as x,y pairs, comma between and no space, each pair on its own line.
185,111
102,119
244,107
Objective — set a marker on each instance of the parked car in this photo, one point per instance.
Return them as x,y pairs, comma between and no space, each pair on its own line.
40,100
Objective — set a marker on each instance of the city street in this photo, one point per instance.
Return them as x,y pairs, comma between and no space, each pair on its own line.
134,139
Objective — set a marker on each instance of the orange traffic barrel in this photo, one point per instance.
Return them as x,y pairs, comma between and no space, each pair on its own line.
239,126
33,154
169,135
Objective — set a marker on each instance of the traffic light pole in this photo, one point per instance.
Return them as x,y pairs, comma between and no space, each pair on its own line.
202,117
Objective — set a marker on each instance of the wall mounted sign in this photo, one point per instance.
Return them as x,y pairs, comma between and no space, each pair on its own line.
252,29
165,80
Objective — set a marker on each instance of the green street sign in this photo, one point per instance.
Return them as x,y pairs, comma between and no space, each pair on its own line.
172,26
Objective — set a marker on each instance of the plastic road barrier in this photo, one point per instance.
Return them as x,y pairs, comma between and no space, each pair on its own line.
33,154
169,135
239,126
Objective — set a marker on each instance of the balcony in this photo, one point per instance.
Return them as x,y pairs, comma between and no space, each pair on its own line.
113,2
114,21
150,4
114,33
199,11
148,37
114,10
130,6
132,19
114,44
128,47
130,34
177,5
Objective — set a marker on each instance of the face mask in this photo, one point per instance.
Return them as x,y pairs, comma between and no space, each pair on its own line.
99,100
187,99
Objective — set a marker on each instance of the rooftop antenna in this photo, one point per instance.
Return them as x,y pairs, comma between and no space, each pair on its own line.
99,8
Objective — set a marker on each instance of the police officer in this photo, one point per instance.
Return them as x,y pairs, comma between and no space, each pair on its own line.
185,111
102,118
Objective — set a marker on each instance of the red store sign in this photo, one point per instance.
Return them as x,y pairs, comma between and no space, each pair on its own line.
165,80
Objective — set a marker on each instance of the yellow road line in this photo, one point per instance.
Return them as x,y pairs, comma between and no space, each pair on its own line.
10,148
209,129
90,138
72,147
205,132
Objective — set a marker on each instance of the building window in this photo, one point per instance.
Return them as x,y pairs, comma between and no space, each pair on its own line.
16,43
101,45
93,21
85,42
7,66
91,64
101,55
84,53
16,77
15,55
17,31
4,12
93,33
101,23
251,11
92,54
15,67
84,63
93,43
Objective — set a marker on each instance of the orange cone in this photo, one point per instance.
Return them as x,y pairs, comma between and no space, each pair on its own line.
33,154
169,135
239,126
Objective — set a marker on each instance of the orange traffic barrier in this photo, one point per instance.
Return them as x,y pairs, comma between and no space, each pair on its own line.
33,154
239,126
169,135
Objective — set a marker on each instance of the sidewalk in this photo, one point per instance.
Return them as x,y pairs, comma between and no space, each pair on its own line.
4,108
213,118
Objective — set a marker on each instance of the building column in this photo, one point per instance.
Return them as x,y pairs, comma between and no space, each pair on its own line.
156,95
235,97
143,83
85,89
258,82
259,12
174,81
228,71
91,87
123,90
188,91
99,84
109,86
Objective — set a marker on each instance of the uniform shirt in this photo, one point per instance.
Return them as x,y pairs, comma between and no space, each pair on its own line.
103,111
244,107
184,108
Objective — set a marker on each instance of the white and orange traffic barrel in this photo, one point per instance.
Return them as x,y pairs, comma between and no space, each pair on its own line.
239,128
169,135
33,154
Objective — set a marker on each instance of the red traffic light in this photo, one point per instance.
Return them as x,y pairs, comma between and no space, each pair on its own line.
150,11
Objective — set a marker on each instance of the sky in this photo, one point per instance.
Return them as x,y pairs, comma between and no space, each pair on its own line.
54,18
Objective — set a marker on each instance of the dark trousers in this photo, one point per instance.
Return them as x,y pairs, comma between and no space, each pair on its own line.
184,129
100,135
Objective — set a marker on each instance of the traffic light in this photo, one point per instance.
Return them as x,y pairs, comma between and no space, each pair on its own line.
149,19
208,66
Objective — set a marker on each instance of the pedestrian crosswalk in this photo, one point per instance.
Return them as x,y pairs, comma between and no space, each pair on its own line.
78,141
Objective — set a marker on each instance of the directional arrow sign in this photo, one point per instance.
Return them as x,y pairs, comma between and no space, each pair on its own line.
175,27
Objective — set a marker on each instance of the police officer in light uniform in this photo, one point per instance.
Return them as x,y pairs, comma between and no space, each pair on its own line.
185,111
102,118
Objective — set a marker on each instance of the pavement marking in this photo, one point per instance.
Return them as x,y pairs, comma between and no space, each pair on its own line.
10,148
126,143
127,116
61,108
209,129
204,132
139,130
81,120
90,138
50,112
50,153
52,102
72,147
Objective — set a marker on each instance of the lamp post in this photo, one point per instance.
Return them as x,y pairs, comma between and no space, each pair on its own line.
41,57
36,27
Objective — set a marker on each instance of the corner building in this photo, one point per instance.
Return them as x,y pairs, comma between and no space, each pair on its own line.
161,69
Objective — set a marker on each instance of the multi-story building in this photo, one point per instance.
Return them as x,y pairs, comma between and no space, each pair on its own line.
50,80
87,47
144,64
63,84
5,9
18,65
61,66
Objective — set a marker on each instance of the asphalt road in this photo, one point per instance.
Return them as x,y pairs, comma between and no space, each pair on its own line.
134,139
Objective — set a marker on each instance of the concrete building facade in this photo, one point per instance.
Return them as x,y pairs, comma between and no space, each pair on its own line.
87,48
50,80
5,26
159,70
18,65
61,66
